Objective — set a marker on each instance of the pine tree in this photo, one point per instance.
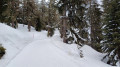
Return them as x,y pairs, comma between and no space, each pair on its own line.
3,7
48,16
11,13
29,8
43,14
112,31
72,25
63,24
52,17
39,25
94,18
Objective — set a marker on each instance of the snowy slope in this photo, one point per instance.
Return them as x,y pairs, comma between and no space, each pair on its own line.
35,49
14,41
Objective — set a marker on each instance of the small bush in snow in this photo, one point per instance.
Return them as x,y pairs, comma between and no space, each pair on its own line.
2,51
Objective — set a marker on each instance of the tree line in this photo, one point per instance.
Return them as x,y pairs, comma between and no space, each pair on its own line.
79,21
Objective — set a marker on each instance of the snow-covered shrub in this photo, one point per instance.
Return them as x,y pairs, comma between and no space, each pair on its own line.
2,51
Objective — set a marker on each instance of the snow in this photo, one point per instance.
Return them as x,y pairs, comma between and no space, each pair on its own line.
100,2
13,40
35,49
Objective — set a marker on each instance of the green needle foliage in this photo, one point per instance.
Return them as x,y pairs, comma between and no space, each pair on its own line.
2,51
112,31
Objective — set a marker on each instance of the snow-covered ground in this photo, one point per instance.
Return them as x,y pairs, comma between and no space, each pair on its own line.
35,49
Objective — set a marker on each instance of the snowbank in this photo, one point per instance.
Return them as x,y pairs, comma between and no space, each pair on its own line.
9,33
13,40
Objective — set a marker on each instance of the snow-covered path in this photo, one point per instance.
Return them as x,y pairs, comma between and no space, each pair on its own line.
42,53
51,52
35,49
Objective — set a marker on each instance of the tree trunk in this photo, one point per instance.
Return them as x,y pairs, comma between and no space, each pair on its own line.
64,26
29,28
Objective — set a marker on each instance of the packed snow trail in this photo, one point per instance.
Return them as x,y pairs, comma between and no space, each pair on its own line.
14,40
42,53
35,49
51,52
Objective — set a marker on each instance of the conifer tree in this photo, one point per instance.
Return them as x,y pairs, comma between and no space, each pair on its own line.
94,18
112,31
73,24
43,14
52,17
3,7
48,16
11,13
29,8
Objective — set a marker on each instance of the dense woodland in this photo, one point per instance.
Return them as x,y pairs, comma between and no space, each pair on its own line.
79,21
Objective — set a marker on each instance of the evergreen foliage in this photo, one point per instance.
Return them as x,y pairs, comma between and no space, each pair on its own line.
94,18
12,13
2,51
52,17
30,12
72,24
74,20
42,16
3,7
112,31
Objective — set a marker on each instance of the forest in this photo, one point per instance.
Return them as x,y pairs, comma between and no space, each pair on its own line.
81,22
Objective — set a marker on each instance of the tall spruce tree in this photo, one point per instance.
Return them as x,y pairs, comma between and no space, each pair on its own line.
112,31
29,8
52,17
94,18
42,10
73,25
